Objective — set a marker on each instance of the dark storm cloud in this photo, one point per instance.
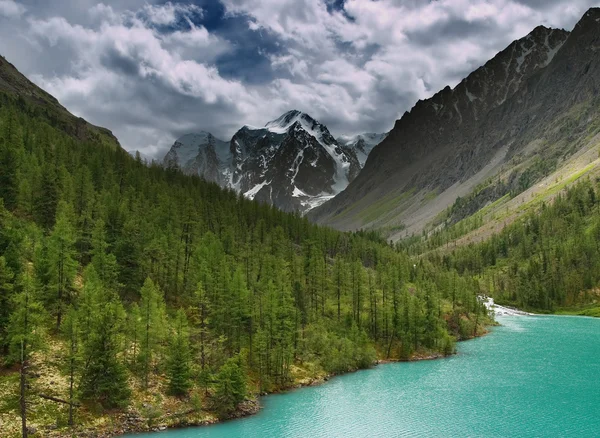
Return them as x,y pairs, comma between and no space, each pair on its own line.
154,70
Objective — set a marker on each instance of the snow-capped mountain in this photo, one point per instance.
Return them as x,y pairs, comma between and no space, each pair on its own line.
362,144
293,162
200,154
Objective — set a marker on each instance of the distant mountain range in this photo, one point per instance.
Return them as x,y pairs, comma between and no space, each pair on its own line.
293,162
362,144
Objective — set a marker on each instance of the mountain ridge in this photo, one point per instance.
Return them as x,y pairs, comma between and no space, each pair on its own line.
13,83
449,144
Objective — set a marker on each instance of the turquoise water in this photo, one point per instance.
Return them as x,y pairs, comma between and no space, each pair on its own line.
532,377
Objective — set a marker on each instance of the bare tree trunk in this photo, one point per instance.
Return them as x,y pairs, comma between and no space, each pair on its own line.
23,404
71,392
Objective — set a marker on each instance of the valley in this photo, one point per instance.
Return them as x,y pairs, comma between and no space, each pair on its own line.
143,292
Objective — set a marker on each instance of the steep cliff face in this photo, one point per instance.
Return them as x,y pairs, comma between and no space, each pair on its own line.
362,144
448,144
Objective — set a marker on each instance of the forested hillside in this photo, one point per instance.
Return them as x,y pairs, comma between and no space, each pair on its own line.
123,285
546,261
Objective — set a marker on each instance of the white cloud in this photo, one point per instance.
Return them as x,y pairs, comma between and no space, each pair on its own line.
362,73
136,80
120,64
11,9
167,13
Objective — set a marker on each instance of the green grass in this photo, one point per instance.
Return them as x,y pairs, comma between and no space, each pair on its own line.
430,196
557,187
589,310
383,206
494,204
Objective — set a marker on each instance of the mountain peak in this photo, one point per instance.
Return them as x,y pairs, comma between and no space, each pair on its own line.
283,122
195,137
590,20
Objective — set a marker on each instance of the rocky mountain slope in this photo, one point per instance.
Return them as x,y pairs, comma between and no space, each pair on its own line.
292,162
43,105
509,123
362,144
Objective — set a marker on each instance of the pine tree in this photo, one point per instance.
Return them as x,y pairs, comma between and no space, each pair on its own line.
103,377
25,336
62,261
46,201
104,263
10,153
6,289
8,175
134,329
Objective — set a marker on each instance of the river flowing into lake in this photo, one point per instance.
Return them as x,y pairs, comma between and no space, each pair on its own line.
536,376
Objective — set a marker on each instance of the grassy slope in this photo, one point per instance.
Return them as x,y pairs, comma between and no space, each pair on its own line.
584,164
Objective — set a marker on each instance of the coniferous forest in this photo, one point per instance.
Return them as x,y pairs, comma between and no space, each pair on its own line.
546,261
132,279
129,280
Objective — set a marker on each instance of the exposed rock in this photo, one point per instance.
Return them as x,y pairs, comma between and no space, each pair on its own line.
292,162
489,117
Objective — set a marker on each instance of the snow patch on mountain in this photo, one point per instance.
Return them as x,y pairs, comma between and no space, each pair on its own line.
250,194
293,158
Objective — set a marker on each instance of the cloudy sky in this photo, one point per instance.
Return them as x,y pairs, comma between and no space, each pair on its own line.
152,70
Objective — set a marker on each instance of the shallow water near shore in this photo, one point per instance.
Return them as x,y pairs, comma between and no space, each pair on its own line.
535,376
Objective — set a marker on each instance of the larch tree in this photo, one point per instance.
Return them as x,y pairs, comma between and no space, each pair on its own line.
25,334
179,356
102,317
62,261
152,312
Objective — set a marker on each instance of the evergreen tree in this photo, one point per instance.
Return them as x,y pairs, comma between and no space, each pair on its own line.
6,290
25,336
62,261
152,309
8,175
46,201
229,387
104,263
179,357
103,377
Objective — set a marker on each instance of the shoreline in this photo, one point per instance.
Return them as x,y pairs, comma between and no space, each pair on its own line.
256,406
131,422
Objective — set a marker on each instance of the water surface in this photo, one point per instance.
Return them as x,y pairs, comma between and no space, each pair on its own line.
532,377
